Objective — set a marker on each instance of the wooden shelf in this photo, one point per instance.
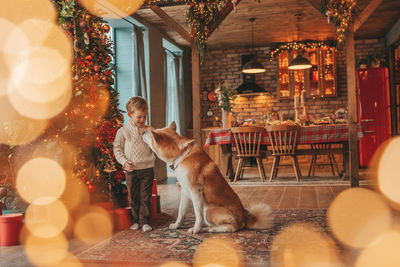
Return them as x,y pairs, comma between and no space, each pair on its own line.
315,81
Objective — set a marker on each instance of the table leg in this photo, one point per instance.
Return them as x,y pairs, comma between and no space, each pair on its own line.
345,173
226,161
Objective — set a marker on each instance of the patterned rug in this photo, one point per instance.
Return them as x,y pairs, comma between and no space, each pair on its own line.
161,245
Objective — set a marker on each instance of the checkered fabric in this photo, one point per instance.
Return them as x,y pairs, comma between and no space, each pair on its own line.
307,135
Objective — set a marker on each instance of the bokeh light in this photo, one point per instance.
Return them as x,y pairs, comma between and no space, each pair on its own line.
58,149
357,216
112,9
36,30
31,75
46,220
24,39
217,251
383,251
7,58
38,110
76,194
388,174
46,251
40,181
16,129
93,225
20,10
302,244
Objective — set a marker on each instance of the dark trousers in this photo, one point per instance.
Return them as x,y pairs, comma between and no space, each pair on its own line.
139,184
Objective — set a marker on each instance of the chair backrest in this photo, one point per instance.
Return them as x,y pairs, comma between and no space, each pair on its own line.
248,140
283,139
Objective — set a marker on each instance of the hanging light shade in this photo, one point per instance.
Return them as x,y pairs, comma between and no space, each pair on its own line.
299,62
253,66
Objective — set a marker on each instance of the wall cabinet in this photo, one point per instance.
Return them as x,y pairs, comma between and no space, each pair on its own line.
318,81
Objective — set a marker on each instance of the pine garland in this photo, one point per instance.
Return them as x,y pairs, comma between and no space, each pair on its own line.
93,117
302,45
340,13
200,15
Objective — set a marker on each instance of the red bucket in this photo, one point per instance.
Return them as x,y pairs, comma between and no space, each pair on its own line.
122,218
10,227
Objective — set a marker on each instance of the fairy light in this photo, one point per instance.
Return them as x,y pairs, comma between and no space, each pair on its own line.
303,45
339,13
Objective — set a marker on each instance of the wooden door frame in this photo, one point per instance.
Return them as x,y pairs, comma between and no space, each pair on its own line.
393,94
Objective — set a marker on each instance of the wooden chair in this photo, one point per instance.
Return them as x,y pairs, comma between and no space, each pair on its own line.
317,149
248,143
283,139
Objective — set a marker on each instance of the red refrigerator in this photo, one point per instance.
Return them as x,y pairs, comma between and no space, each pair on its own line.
373,110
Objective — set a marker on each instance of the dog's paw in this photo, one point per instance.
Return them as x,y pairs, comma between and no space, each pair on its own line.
194,230
173,226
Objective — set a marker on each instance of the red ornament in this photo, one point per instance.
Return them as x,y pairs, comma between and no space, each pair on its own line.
96,68
82,23
105,28
108,60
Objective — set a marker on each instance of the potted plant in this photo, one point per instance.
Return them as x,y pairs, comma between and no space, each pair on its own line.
376,61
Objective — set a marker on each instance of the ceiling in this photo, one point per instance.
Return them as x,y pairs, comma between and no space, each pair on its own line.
275,22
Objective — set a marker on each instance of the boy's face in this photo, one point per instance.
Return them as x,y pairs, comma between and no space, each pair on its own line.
138,117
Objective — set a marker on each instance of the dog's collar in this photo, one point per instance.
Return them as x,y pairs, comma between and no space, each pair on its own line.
178,160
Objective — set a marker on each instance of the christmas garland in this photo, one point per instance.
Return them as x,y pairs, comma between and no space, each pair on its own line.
93,117
200,15
340,13
303,45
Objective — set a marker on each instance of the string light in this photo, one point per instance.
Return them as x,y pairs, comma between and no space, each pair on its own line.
340,14
200,15
303,45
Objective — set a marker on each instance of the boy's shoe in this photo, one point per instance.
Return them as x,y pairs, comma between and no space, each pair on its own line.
146,228
135,226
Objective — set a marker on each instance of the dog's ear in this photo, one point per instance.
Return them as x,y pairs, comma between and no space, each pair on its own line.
172,125
186,144
156,136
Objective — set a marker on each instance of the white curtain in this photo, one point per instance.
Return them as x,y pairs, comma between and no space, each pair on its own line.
173,85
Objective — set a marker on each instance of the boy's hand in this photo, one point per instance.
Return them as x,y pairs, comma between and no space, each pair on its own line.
128,166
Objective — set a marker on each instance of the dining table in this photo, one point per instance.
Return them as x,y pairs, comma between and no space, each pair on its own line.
307,135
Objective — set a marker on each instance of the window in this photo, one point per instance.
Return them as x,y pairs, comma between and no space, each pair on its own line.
128,37
173,84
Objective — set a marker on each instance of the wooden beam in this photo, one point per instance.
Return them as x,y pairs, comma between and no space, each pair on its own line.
368,10
352,109
172,23
196,96
166,3
316,8
222,15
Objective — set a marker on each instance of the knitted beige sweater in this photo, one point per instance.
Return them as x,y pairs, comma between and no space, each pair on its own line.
129,145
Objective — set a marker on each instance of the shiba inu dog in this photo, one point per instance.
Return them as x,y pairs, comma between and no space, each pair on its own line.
214,201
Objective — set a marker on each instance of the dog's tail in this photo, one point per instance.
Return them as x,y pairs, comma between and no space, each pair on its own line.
259,216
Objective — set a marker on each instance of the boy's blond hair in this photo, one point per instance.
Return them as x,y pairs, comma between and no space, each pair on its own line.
137,103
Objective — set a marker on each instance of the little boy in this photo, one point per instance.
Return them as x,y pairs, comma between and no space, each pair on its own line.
138,162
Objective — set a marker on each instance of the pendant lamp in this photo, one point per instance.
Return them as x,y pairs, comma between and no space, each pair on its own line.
299,62
253,66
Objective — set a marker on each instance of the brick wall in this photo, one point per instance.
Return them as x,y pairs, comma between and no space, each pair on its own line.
221,65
